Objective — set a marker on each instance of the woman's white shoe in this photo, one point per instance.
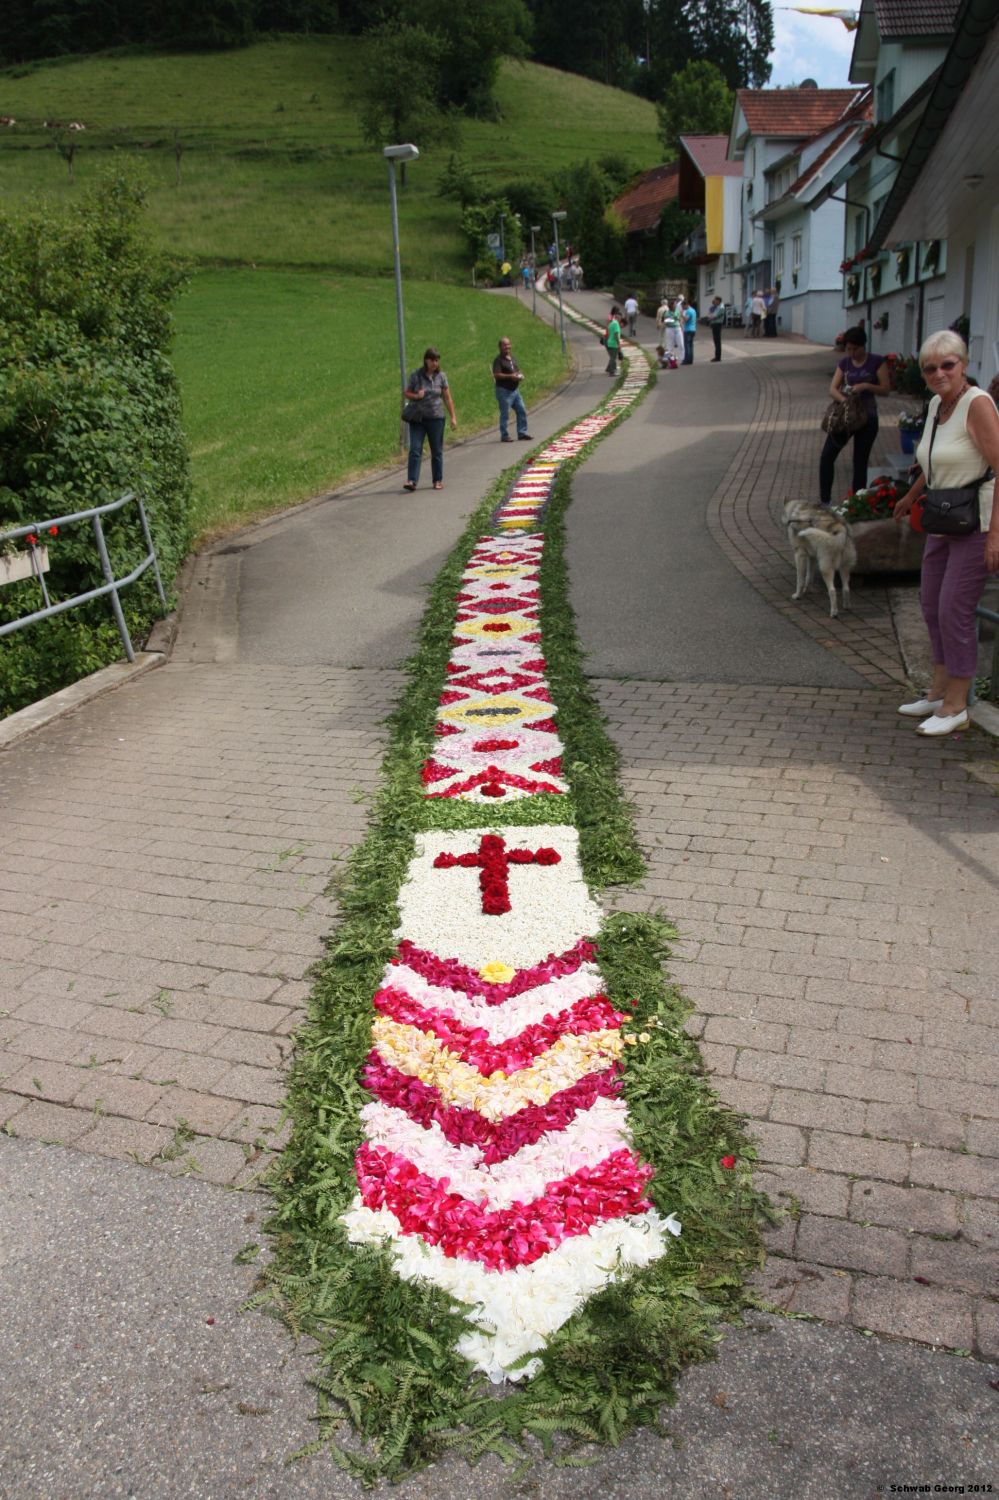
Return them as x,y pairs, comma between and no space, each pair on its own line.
921,707
944,723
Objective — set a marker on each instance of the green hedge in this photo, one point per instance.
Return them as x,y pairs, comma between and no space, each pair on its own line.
89,408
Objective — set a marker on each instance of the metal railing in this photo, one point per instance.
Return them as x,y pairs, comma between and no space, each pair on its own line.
111,587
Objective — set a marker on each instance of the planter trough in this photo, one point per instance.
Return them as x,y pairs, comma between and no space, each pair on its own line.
14,566
887,547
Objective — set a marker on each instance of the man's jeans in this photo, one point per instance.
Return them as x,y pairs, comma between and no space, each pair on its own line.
511,400
688,346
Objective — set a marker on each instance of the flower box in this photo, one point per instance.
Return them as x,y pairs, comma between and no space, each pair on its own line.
887,546
17,565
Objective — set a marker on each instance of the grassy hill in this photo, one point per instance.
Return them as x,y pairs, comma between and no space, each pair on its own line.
274,170
274,175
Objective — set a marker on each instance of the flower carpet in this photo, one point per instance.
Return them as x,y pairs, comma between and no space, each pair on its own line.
484,1183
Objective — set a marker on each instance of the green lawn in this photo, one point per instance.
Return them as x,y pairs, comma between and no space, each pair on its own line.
287,356
274,169
290,379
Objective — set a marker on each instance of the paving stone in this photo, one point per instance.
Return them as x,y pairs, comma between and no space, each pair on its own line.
987,1329
910,1123
40,1121
252,1085
779,1143
121,1138
854,1154
955,1264
904,1207
819,1192
837,1242
104,1093
800,1107
930,1314
794,1286
204,1113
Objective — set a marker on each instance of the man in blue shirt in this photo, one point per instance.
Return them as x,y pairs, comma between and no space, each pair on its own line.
689,332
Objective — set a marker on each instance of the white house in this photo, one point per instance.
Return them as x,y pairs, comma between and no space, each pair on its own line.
773,135
922,233
805,235
899,50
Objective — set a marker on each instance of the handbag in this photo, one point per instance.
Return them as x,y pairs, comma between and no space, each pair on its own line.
412,412
953,512
844,418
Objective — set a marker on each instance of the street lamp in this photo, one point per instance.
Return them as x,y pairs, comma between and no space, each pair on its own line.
502,218
557,217
393,154
535,229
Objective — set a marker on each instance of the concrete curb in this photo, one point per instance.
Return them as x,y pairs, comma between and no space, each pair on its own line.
27,720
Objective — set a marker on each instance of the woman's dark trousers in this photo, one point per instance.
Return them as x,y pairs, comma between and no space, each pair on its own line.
433,429
863,441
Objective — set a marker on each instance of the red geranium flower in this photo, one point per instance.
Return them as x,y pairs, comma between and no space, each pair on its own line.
728,1162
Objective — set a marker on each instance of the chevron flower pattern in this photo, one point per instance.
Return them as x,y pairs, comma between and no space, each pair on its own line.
497,1161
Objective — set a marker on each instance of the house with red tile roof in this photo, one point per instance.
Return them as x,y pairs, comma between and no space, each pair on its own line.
921,234
711,185
651,228
804,227
777,135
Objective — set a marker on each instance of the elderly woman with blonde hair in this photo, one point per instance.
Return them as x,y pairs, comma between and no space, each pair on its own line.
959,449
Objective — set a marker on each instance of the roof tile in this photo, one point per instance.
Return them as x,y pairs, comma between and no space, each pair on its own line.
710,155
642,205
898,18
794,112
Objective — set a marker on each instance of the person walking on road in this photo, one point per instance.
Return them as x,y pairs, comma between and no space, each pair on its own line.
631,313
716,322
758,311
612,340
507,376
429,386
689,322
864,375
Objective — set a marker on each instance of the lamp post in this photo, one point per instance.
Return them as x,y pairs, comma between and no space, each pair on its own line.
393,154
502,218
557,217
535,229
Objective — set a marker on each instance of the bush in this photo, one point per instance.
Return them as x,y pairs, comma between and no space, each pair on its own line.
90,408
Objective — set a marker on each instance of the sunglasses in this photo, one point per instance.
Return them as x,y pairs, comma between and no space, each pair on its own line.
945,364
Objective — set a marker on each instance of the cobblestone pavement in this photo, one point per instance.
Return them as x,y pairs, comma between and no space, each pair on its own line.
167,849
830,875
161,899
778,462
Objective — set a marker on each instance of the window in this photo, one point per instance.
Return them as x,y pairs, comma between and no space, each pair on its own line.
886,97
779,259
709,279
858,233
796,253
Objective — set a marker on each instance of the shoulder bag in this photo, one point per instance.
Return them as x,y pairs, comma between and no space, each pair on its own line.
950,512
844,418
411,412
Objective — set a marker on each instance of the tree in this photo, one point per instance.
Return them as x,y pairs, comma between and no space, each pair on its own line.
596,38
400,85
475,35
595,231
736,35
697,102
